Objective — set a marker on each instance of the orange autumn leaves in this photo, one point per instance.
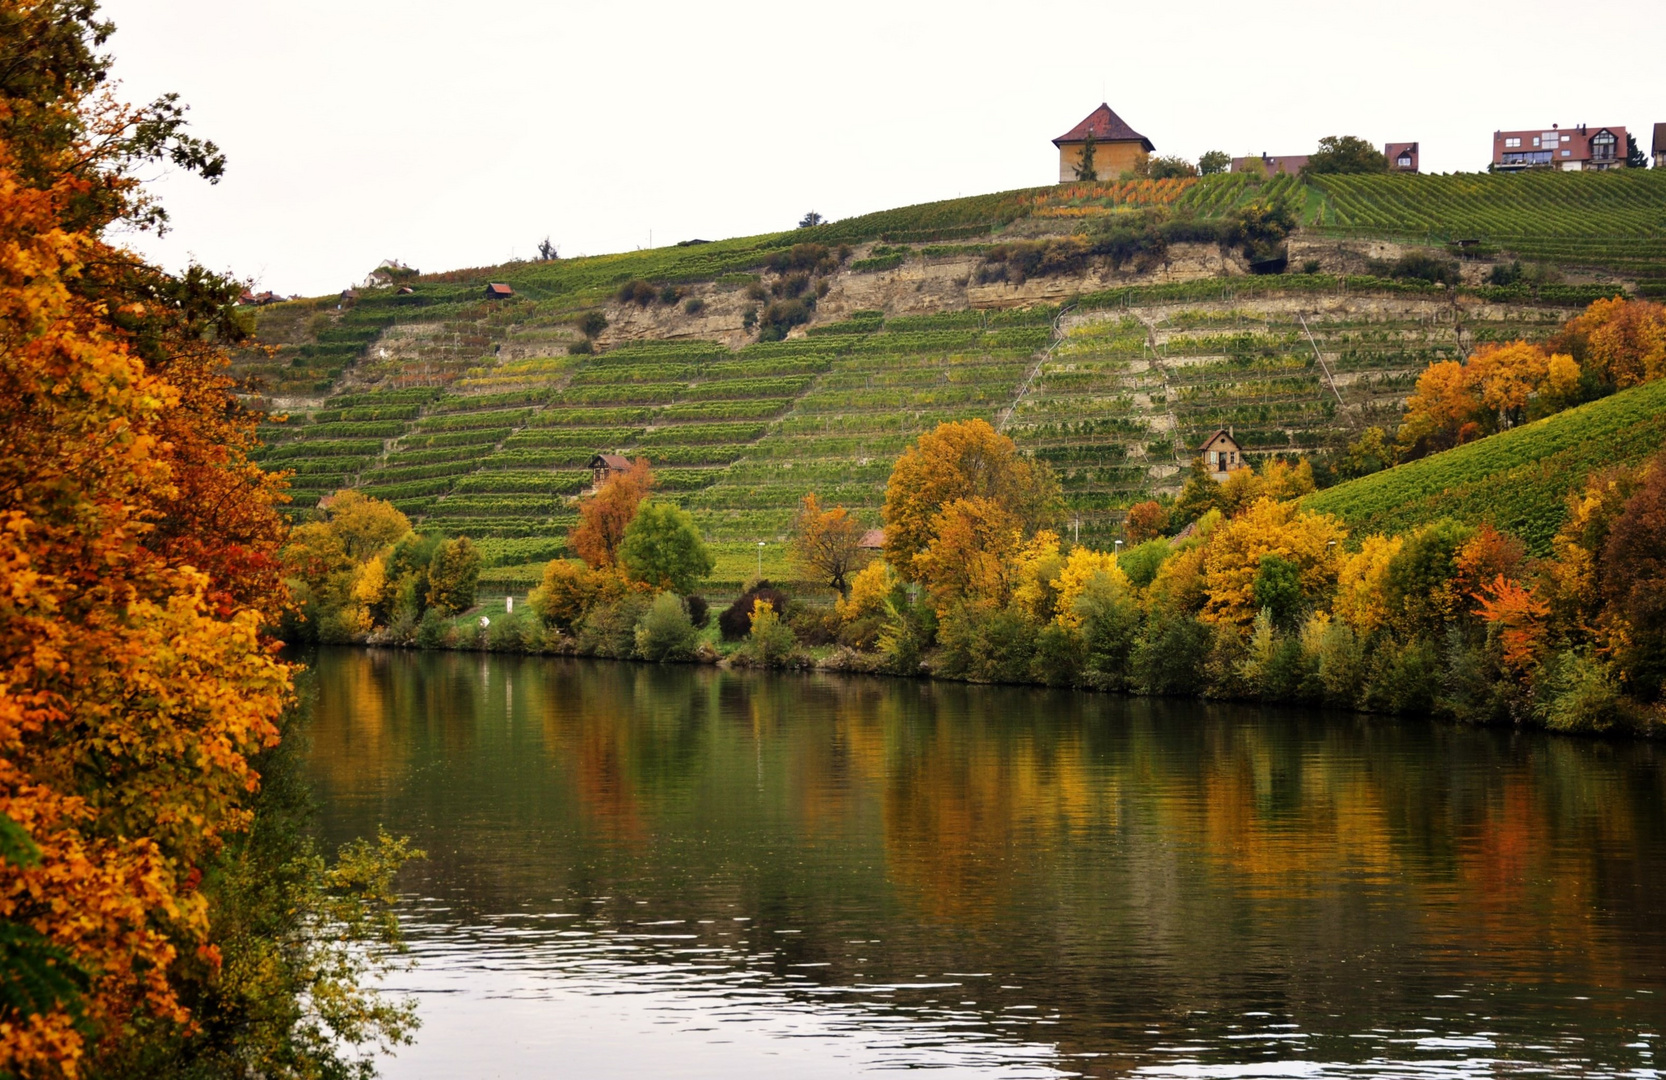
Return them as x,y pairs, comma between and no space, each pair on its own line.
137,575
1612,345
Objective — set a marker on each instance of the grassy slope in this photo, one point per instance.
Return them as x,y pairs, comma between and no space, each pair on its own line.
1518,480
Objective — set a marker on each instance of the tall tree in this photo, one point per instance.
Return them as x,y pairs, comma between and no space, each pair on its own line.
826,543
662,548
1346,154
962,459
1086,169
604,516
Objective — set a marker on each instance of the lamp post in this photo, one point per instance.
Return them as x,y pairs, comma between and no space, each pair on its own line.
1118,551
760,560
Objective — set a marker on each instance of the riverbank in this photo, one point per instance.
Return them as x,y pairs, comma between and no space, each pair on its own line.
1393,689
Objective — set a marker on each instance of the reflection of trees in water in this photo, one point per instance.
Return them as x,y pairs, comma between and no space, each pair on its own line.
1207,842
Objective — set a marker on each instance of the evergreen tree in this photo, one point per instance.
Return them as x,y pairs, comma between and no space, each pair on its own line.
1086,169
1635,158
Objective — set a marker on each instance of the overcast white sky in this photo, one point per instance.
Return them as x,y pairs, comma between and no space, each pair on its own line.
459,134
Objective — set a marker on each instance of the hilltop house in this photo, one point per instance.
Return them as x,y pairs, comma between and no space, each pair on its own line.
1270,165
1659,148
1117,148
603,467
1221,454
1576,149
497,291
1402,156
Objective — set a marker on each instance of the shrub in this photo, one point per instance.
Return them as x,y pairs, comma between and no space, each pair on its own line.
453,575
581,347
1169,656
1577,694
694,305
736,621
1169,168
609,628
985,645
508,633
782,316
636,292
769,642
1110,627
434,632
592,323
813,625
1403,677
699,612
669,295
565,595
1418,267
791,286
756,292
665,631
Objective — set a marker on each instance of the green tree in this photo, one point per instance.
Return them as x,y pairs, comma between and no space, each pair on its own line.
666,632
1635,158
1346,154
1085,168
1201,494
1170,168
453,574
662,548
1215,161
1278,588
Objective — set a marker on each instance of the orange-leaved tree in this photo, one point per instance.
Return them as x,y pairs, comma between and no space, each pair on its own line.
1620,342
138,562
604,516
827,543
966,459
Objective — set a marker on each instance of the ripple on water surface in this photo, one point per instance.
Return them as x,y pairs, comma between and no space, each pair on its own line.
639,872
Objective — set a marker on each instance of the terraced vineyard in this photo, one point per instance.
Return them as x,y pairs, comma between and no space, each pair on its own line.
1124,398
1115,398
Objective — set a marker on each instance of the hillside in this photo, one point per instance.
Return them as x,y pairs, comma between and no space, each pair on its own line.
1518,479
477,415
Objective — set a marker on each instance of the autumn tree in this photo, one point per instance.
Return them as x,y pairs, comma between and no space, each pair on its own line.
1633,583
453,572
959,460
826,544
1145,521
974,542
1620,342
1233,562
139,562
604,515
364,525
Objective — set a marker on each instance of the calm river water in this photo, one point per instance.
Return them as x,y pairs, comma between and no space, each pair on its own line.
677,872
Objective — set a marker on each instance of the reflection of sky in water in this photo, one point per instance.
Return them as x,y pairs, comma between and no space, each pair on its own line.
653,872
593,1001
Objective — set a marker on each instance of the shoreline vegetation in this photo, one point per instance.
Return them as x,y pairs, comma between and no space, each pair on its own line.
1252,588
163,908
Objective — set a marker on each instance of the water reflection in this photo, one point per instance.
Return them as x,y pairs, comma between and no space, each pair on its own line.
644,871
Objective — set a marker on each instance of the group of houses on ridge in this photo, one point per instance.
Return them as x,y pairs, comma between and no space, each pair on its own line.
1117,148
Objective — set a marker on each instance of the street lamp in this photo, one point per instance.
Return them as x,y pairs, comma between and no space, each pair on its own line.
760,560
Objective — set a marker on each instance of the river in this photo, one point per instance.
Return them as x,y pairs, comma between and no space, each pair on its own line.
640,871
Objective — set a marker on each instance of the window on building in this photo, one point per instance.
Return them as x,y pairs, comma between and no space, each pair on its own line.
1567,153
1535,140
1516,141
1567,138
1602,146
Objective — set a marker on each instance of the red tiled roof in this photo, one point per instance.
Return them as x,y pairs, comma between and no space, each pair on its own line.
1105,126
1572,143
611,461
496,289
872,540
1204,445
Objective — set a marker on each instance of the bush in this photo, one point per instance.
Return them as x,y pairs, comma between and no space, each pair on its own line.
1418,267
736,621
434,632
1110,627
593,323
782,316
813,625
985,646
565,595
508,633
637,292
770,642
1577,694
699,612
581,347
1403,678
665,631
1142,561
669,295
791,286
694,305
1170,655
609,629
